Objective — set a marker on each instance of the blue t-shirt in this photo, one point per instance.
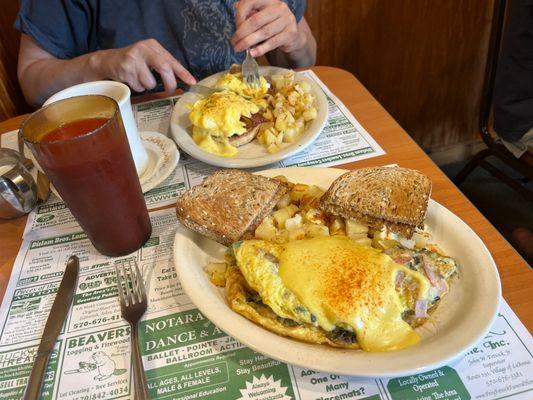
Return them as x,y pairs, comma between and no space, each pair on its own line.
196,32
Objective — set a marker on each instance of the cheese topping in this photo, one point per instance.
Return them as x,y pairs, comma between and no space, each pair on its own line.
343,283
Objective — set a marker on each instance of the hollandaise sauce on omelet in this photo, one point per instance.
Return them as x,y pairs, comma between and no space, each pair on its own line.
217,117
332,282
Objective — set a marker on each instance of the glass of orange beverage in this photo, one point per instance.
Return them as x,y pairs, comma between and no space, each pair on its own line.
81,145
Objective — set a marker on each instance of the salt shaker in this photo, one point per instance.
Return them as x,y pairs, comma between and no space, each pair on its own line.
18,191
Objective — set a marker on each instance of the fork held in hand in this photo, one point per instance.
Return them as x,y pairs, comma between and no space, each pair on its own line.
250,70
133,305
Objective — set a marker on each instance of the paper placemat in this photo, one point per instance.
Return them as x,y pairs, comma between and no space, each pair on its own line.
186,356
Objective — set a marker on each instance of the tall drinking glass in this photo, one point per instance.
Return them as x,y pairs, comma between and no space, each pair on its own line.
81,145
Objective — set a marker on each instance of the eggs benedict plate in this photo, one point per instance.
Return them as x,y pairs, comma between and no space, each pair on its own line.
308,270
220,130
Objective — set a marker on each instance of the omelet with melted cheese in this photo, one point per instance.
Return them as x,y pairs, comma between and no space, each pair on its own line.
217,117
326,290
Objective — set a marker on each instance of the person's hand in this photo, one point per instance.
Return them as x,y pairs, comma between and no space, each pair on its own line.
267,25
133,64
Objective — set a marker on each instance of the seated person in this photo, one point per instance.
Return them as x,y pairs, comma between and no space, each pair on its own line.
513,97
513,91
64,43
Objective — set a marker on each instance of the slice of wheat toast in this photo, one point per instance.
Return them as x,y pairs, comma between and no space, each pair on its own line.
394,197
229,204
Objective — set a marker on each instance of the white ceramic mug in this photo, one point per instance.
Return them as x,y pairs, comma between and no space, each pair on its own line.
121,94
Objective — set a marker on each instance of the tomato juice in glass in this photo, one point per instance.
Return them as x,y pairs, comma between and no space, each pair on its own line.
81,145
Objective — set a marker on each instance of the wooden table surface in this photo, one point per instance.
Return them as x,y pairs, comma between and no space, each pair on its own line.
516,275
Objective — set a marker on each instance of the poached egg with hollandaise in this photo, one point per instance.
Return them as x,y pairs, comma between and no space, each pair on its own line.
333,284
233,82
217,117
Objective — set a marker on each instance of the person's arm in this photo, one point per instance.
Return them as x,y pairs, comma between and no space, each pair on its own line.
269,27
41,74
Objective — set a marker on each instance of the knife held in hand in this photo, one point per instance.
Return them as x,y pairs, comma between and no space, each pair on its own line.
57,316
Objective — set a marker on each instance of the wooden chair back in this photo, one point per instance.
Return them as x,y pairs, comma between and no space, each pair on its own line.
494,147
11,99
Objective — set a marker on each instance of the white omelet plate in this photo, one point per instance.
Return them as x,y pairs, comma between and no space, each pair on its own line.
253,154
461,320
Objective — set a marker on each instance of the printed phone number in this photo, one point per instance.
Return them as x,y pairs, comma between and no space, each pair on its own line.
105,395
96,321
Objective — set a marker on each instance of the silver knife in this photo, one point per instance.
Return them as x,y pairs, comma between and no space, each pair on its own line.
55,320
160,87
198,89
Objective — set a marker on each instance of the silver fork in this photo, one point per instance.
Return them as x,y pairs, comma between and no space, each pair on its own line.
250,70
133,304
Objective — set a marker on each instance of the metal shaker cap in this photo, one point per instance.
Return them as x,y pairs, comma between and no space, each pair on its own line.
18,191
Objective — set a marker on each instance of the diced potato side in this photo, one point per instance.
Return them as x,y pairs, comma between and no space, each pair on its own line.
279,139
218,279
385,243
284,179
307,202
355,227
315,191
273,148
293,97
314,230
293,223
267,114
304,86
290,135
216,273
281,215
284,201
420,240
261,136
215,266
281,81
266,230
281,178
316,216
309,114
296,217
277,81
337,227
286,111
311,197
267,137
298,191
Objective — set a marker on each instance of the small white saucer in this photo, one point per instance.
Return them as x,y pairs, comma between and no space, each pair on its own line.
163,156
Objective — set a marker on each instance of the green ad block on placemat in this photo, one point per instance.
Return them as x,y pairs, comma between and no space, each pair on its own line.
440,384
